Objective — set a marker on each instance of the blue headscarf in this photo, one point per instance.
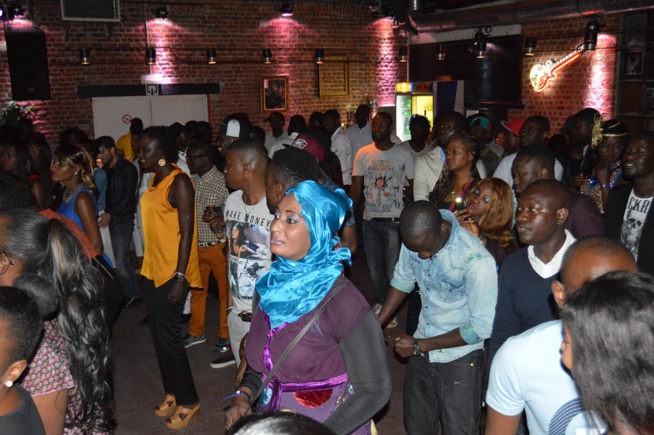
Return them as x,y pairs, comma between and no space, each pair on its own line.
293,288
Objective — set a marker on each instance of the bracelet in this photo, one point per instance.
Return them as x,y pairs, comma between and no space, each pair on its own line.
237,393
416,347
229,308
179,276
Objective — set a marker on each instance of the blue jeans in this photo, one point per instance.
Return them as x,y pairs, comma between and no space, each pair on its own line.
381,241
449,392
121,234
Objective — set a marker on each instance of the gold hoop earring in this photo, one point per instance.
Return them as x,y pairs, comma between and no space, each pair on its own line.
162,162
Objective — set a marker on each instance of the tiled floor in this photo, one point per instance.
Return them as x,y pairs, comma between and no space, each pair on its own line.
138,385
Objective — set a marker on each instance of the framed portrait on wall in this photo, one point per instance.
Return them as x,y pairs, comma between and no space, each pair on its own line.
632,64
274,93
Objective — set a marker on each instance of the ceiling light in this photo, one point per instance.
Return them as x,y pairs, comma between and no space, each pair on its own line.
150,55
440,52
85,56
211,56
530,46
404,54
287,9
590,37
267,56
320,55
161,12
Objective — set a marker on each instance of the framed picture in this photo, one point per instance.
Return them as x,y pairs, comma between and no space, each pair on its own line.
632,64
649,100
274,93
334,77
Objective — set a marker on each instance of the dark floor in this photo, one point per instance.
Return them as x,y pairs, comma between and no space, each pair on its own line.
138,385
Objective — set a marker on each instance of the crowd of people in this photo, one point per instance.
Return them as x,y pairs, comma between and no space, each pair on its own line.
523,264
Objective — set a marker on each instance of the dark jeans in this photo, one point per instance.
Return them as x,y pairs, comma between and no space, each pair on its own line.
449,392
121,235
165,327
381,241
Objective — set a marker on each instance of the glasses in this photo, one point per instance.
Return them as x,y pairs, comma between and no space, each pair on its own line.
188,158
11,262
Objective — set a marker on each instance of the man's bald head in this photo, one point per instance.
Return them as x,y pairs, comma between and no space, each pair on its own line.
588,259
558,195
419,218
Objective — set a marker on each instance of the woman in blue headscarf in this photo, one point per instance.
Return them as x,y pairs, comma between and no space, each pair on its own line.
343,356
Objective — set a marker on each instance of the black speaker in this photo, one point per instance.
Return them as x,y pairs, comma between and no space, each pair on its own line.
28,64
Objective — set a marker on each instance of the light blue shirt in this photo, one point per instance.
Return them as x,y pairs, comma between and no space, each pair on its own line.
458,287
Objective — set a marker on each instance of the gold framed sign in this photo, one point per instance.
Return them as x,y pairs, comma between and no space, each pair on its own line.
334,77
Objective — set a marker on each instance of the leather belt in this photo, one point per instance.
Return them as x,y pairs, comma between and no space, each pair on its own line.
386,219
245,316
206,245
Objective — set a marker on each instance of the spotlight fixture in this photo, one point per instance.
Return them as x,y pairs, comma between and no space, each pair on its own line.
590,37
150,55
287,9
440,52
14,10
404,54
161,12
267,56
479,45
85,56
320,55
211,56
530,45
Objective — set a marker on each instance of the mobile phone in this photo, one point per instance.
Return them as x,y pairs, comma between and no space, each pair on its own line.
460,204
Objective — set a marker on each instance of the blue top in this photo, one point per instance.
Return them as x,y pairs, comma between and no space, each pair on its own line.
458,286
100,180
68,209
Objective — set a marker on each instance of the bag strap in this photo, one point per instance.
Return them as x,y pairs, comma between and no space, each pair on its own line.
339,284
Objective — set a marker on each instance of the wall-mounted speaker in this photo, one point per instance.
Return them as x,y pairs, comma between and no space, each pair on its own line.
28,64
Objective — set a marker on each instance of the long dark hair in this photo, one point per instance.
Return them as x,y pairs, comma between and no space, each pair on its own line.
611,324
48,249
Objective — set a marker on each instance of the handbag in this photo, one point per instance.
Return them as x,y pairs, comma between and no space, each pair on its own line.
339,284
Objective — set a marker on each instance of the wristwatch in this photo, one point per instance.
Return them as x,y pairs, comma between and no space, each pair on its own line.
415,349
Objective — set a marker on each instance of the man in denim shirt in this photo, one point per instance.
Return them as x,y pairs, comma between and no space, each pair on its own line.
458,282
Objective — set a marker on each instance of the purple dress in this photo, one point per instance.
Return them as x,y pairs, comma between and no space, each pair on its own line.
313,379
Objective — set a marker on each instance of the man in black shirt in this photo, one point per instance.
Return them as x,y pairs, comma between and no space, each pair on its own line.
122,179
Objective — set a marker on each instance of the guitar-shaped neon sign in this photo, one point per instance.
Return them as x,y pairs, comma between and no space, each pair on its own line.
542,72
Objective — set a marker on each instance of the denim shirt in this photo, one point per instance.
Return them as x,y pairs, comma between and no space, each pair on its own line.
458,287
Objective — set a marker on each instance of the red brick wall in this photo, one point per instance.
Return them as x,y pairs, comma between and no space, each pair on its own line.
589,82
239,31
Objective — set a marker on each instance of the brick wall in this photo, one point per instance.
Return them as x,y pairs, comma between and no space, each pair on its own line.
589,82
239,31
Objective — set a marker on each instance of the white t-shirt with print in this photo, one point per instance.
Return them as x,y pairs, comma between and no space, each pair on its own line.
383,175
250,256
633,221
527,374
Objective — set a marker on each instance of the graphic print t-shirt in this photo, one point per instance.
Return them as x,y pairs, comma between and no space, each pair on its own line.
633,221
383,174
248,247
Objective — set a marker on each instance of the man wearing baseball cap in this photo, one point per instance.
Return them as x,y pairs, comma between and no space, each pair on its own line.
511,131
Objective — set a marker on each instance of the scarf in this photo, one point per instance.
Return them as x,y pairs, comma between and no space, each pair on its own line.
291,289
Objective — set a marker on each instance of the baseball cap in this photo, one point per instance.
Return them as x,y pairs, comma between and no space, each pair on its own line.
231,129
480,121
514,126
311,145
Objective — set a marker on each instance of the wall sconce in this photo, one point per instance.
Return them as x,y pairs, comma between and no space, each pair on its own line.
404,54
85,56
287,9
479,45
320,55
590,37
440,52
150,55
211,56
161,12
267,56
530,46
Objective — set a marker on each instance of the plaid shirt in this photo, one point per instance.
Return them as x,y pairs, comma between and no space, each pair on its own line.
210,190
